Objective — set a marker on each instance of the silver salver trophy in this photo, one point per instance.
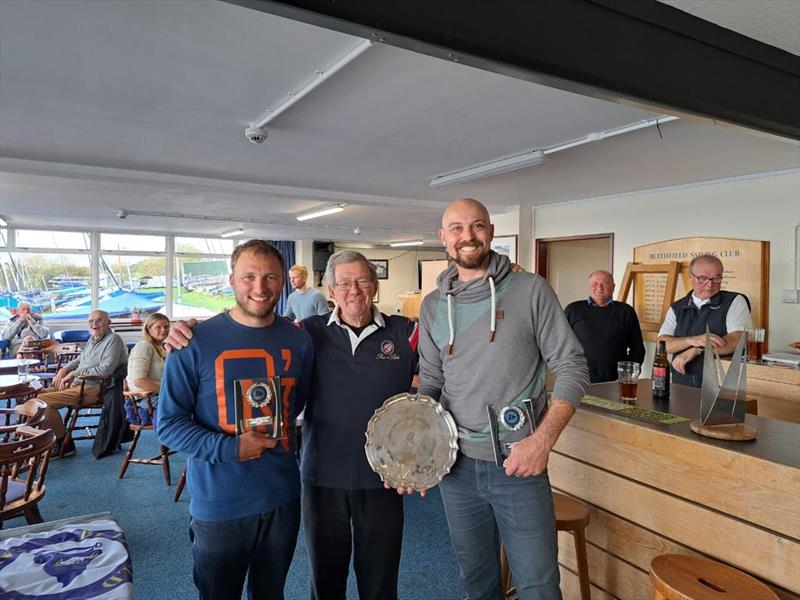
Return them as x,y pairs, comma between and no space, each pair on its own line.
411,442
723,395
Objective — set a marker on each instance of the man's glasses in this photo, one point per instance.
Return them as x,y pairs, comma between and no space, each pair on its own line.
93,321
704,280
363,283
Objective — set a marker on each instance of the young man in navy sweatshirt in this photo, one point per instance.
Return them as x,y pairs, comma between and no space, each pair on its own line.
245,489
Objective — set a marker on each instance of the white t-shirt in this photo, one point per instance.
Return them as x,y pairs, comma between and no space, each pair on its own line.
737,319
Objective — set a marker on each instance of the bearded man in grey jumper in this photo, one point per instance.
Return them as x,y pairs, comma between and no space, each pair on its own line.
487,337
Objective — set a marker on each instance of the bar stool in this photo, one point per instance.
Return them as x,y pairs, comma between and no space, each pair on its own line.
682,577
571,515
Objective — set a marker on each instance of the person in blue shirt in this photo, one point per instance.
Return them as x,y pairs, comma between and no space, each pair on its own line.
362,357
245,488
304,301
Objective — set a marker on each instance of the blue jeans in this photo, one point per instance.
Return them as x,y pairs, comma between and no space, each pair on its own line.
478,500
260,547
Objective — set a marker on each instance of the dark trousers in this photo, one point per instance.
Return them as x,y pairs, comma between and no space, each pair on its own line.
376,518
259,547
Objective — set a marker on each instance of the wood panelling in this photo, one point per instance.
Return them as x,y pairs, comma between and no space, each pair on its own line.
747,487
770,556
570,587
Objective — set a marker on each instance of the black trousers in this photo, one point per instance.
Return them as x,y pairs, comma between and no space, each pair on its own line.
366,523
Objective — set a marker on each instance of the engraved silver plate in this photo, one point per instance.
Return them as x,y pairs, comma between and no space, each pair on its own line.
412,442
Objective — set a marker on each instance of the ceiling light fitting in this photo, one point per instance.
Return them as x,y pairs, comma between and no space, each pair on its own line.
343,228
3,221
530,158
321,211
408,243
232,233
493,167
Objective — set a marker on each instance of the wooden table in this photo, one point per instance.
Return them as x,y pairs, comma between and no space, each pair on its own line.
656,489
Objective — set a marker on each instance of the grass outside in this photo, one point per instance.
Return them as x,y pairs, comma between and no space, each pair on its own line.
213,302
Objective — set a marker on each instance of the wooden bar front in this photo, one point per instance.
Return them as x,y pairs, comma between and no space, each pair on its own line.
775,388
655,489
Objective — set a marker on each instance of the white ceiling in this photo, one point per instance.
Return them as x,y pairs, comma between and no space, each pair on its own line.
141,105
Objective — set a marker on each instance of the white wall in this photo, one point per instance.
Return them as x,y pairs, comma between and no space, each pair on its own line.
402,272
765,207
517,221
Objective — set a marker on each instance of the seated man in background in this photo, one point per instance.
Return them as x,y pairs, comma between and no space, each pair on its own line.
23,326
727,315
304,301
104,353
608,331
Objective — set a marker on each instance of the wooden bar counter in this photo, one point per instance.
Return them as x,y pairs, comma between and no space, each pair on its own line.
775,388
655,489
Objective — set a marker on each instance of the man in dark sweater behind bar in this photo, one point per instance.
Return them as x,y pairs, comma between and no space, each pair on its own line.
608,331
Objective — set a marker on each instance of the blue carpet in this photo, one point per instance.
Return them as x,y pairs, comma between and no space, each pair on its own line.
157,528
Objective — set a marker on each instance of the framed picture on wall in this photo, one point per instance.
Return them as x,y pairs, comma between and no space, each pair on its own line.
506,244
382,266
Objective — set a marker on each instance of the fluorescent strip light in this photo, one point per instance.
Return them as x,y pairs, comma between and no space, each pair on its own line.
232,233
3,222
493,167
604,135
408,243
537,157
321,212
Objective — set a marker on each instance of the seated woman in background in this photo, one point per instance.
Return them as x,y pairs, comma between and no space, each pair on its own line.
146,364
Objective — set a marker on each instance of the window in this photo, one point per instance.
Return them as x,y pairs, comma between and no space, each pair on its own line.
202,270
51,283
136,243
59,240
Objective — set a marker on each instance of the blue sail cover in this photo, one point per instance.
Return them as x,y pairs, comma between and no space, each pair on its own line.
118,304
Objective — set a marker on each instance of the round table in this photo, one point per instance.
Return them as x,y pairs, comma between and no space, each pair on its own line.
10,365
12,383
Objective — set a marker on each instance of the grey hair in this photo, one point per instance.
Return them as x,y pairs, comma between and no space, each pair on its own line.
22,303
708,258
345,257
606,273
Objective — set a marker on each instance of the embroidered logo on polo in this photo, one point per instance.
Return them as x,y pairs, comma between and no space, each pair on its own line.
387,351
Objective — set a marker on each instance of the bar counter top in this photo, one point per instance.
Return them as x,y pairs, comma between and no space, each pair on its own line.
777,441
655,489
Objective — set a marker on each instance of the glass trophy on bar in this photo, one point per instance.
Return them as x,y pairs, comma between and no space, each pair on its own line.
723,395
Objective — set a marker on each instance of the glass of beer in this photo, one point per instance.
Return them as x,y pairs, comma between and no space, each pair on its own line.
755,344
628,381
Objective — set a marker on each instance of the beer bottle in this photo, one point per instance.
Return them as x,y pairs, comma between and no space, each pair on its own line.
661,372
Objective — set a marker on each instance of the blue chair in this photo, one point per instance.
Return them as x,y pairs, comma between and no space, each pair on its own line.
3,348
71,336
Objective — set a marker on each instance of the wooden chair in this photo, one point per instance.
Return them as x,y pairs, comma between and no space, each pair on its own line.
23,466
90,410
19,395
30,414
136,425
682,577
571,515
181,485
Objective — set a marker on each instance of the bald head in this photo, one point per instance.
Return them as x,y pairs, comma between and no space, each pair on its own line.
462,204
467,234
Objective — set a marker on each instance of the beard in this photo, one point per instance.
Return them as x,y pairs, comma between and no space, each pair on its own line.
470,262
